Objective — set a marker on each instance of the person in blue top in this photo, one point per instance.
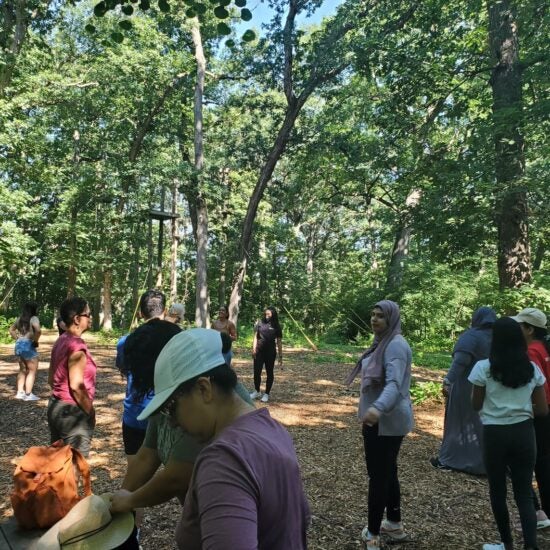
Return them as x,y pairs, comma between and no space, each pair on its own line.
508,389
152,305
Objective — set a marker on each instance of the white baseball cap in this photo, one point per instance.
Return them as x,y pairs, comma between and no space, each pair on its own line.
185,356
531,316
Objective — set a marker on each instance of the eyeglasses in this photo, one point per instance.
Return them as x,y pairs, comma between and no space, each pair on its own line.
169,407
89,315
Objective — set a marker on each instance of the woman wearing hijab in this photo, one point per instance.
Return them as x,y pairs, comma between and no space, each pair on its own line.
462,445
385,410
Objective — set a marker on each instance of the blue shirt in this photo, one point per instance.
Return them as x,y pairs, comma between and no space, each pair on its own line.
132,406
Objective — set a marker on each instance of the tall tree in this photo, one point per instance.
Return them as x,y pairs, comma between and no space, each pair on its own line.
512,216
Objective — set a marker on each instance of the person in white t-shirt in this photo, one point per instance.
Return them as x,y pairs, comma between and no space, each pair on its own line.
507,390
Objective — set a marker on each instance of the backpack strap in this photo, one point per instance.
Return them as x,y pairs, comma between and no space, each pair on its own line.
84,470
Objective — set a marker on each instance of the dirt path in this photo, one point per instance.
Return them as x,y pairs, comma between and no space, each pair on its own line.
441,510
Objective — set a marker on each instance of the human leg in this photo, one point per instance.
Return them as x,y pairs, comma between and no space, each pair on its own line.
495,459
542,464
522,462
21,376
258,366
270,370
381,457
32,367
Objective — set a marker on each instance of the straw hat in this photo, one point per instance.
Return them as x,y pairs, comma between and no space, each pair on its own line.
89,525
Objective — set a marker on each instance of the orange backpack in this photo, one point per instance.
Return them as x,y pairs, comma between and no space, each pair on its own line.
47,483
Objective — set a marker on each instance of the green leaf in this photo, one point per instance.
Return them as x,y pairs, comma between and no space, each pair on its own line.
89,28
117,37
164,7
221,13
240,3
249,35
125,24
223,29
127,9
230,43
246,14
100,9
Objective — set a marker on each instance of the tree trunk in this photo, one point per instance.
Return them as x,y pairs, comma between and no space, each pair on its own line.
201,302
12,37
265,175
107,320
514,268
174,246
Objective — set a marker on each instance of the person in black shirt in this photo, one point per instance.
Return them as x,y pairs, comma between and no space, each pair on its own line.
267,333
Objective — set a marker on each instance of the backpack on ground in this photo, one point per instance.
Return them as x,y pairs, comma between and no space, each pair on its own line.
48,482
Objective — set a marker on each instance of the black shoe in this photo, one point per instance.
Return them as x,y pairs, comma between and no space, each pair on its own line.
434,461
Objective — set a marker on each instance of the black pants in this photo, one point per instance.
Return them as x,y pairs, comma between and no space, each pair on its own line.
267,358
542,465
384,492
511,447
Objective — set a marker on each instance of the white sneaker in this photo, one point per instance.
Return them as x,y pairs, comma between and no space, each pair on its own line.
31,397
255,395
20,395
393,530
265,398
498,546
372,541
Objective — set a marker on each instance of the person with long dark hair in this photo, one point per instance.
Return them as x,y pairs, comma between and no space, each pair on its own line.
385,411
26,332
508,389
461,448
72,377
533,325
267,333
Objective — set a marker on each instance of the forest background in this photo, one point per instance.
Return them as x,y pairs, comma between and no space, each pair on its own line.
388,149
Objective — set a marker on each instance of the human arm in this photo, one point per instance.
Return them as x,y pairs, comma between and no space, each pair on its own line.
228,499
462,361
255,344
144,486
538,398
280,350
35,329
77,388
232,330
13,331
396,366
478,396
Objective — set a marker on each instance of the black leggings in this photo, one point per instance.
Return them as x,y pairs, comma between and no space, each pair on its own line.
384,492
542,465
512,447
267,358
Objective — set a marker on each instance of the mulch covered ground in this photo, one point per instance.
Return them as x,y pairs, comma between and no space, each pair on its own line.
441,510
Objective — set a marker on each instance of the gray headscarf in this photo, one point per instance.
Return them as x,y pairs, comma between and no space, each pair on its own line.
374,373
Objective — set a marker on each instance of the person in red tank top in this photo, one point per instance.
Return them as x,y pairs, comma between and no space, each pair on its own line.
72,377
533,325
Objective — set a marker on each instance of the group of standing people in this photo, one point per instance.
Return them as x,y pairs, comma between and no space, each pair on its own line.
496,418
185,409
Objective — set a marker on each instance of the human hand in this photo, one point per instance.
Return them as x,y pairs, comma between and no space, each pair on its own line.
371,416
445,389
121,501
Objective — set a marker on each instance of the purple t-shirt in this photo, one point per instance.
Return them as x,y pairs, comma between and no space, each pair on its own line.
246,491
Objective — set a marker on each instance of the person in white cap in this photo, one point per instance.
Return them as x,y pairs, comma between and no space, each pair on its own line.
533,325
246,490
